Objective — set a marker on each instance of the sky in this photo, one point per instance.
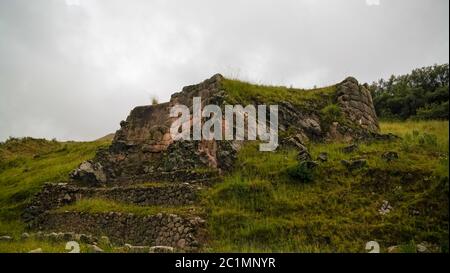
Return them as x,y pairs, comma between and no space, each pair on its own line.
73,69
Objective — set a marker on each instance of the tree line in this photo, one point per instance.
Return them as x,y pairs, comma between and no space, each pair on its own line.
421,94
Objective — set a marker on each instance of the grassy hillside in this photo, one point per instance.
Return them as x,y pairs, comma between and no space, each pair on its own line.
26,164
260,207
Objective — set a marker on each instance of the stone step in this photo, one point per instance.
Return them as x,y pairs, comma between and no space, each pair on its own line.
54,196
184,233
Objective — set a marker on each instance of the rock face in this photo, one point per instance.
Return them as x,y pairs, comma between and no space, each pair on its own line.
143,148
357,105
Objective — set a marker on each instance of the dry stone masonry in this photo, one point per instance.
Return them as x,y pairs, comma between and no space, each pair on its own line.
54,196
356,102
143,151
183,233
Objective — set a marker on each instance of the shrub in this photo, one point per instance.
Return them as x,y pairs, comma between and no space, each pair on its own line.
433,111
330,114
301,172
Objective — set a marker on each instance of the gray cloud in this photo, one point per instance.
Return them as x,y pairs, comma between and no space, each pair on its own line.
72,69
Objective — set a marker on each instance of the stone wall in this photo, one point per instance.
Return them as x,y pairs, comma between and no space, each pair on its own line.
357,105
54,196
184,234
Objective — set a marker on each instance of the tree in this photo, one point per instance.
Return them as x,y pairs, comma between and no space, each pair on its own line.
401,97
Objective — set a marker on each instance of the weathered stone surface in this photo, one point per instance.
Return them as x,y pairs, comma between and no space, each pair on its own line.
385,208
89,171
354,164
142,148
322,157
350,148
357,105
183,233
393,249
37,250
52,237
181,243
94,249
6,238
68,236
137,249
57,195
425,247
390,156
161,249
303,154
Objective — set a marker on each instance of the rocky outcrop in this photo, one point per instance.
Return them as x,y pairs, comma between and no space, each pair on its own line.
143,148
357,105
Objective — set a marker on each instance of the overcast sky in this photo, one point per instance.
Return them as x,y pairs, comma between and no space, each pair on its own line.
73,69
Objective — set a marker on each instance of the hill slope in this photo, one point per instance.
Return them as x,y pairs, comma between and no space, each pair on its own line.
334,183
27,163
259,207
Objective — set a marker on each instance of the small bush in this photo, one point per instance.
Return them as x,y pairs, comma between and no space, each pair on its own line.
301,172
433,111
330,114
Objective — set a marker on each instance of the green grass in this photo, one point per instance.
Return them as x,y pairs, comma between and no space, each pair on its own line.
26,245
26,164
260,208
97,205
408,128
245,93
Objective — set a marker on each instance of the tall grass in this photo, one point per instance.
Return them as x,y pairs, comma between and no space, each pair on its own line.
260,208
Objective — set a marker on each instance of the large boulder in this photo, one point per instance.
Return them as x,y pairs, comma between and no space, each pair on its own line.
90,172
